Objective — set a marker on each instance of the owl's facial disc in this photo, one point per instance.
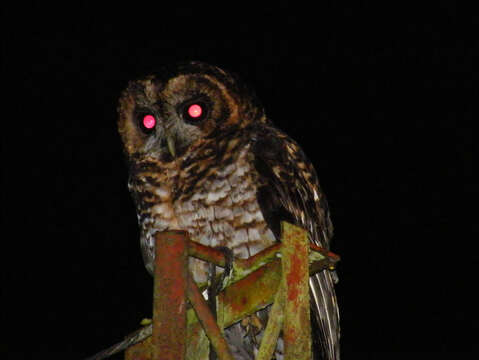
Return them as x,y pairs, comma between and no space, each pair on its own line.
163,116
168,128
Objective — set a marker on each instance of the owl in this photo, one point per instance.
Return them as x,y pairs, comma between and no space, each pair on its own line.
204,157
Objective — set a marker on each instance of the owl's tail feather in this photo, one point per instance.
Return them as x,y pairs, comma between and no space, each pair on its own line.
325,312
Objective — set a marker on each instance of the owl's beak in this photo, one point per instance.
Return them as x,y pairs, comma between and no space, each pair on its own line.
170,141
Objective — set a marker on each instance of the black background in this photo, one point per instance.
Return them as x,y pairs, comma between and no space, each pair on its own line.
382,97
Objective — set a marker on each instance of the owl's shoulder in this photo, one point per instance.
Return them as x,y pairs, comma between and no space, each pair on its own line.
275,151
289,188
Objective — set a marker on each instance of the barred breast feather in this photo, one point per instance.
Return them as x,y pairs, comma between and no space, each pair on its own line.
215,203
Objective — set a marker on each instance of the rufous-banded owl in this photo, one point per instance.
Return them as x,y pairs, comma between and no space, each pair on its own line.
204,157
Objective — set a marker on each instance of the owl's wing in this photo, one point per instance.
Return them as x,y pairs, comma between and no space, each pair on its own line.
289,191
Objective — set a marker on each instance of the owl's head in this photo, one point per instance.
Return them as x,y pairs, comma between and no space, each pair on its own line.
163,115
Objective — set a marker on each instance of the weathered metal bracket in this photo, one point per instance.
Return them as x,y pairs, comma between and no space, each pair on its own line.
278,275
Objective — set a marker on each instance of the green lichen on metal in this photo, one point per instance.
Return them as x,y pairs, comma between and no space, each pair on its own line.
273,328
250,294
207,321
316,256
244,267
198,346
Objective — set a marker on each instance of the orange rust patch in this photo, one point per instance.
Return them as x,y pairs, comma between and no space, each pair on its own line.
294,278
290,337
177,290
245,283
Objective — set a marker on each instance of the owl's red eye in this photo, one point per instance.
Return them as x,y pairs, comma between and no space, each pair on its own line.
195,111
149,122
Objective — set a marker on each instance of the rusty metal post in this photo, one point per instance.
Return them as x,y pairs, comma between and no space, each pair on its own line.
169,296
208,321
176,330
295,280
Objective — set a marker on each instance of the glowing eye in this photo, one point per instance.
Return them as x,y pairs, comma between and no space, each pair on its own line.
149,122
195,111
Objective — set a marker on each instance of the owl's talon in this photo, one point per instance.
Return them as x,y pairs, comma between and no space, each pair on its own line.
228,269
216,285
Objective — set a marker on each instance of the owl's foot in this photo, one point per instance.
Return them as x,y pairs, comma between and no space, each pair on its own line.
215,285
222,282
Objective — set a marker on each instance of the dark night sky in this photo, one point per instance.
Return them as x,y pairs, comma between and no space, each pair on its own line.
383,100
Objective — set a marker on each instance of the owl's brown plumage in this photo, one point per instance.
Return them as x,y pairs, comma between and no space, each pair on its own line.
227,175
